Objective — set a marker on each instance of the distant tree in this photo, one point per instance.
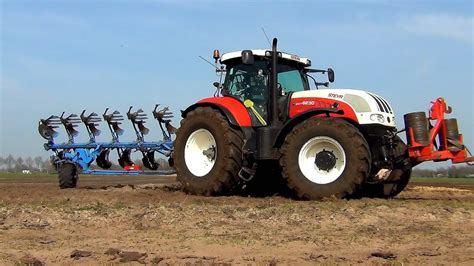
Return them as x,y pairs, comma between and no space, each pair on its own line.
9,162
39,163
29,163
19,164
451,171
48,166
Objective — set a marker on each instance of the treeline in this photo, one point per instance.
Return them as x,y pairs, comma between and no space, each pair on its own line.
39,164
452,171
19,164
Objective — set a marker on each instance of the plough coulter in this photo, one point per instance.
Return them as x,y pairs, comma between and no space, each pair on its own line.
264,118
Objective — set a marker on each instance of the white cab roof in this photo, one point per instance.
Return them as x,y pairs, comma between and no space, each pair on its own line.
261,52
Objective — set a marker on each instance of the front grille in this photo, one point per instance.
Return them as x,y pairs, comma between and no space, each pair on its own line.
382,105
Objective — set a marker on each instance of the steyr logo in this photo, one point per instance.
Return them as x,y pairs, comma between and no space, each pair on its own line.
337,96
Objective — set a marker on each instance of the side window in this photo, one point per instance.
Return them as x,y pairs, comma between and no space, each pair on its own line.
291,81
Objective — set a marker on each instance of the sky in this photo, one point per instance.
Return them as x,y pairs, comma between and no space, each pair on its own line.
72,55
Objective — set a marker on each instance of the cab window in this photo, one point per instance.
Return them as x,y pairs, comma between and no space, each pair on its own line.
290,79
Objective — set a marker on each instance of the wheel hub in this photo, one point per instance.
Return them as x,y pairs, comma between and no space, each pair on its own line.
322,160
325,160
210,153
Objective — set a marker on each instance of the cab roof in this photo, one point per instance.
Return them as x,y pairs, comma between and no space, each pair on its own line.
263,52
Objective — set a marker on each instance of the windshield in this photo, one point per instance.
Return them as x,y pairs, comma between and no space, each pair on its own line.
251,81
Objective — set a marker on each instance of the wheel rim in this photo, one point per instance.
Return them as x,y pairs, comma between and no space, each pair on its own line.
200,152
322,160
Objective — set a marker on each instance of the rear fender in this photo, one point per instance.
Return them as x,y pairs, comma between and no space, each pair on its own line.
231,108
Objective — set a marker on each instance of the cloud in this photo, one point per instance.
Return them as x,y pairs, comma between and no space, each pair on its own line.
441,25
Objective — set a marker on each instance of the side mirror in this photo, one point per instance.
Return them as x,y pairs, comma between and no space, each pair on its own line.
330,75
247,57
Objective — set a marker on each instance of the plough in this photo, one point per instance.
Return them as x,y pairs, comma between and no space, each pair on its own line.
84,154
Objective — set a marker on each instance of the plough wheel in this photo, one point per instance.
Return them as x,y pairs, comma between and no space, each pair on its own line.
67,175
207,153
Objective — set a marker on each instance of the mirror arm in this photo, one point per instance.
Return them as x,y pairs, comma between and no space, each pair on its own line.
325,84
310,70
315,83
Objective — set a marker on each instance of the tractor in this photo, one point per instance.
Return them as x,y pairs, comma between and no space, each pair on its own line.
264,120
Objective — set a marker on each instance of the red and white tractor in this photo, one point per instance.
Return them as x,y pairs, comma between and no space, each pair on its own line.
325,143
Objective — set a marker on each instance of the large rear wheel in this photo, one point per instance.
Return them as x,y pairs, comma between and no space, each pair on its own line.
397,180
325,157
389,189
207,153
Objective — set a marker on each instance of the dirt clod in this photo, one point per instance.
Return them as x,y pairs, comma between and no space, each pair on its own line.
388,255
156,260
46,241
317,257
77,254
128,256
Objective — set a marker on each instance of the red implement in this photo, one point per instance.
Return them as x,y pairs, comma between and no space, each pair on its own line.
442,146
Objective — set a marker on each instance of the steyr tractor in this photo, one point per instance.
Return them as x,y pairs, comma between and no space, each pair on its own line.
264,120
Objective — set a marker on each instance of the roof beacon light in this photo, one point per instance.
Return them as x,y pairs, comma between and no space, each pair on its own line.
216,54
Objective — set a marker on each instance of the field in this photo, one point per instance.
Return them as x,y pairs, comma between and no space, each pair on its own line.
150,220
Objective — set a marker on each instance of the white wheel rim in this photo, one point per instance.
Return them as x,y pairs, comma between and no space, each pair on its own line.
198,144
324,146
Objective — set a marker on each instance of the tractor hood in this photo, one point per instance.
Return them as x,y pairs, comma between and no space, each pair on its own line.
368,107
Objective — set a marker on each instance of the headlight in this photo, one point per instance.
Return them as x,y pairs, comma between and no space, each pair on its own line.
377,117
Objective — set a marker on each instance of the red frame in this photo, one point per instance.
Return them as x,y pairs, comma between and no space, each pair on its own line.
431,152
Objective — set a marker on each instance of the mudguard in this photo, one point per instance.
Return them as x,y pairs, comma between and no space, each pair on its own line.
232,108
299,118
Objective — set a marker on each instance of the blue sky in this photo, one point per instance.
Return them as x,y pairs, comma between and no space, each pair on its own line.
69,55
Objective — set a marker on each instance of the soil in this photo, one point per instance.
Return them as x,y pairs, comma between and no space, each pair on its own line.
149,220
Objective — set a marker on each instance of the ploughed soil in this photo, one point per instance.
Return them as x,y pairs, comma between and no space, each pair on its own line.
113,220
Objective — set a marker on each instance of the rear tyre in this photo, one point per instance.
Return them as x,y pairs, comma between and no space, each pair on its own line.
325,157
67,175
207,153
388,190
398,178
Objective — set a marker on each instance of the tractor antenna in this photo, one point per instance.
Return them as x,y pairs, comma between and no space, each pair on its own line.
266,36
207,61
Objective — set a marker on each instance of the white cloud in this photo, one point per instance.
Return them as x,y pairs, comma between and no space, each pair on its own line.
441,25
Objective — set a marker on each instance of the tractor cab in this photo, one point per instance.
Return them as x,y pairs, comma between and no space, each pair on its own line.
248,80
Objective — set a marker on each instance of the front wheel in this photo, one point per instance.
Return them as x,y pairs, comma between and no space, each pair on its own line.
325,157
207,153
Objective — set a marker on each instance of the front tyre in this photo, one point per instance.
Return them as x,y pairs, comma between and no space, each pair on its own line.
207,153
325,157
